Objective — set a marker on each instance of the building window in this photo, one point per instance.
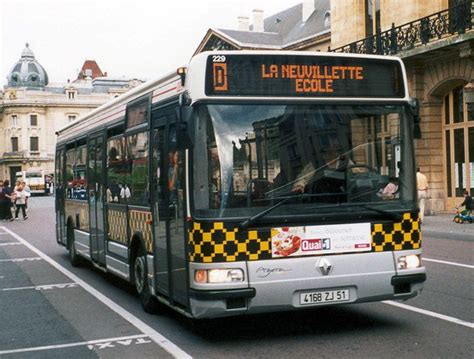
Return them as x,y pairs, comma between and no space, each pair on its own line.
71,94
14,144
71,118
33,120
372,17
14,119
459,148
34,144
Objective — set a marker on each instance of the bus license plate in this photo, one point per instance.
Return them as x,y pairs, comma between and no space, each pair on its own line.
326,296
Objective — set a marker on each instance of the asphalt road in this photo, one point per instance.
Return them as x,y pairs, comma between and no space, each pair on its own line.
48,309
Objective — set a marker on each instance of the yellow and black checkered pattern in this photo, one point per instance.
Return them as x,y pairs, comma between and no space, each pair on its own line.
117,221
141,221
216,242
213,242
397,236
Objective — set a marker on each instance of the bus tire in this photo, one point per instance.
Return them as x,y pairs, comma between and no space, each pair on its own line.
140,281
71,245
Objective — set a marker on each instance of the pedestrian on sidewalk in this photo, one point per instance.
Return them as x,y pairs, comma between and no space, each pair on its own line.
422,187
21,196
28,193
4,202
9,195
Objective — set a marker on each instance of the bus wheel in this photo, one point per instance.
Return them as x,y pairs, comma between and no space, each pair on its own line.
71,245
140,280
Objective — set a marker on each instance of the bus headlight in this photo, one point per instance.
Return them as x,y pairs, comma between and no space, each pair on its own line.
409,262
226,275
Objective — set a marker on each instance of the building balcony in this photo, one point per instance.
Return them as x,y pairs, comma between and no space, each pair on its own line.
443,25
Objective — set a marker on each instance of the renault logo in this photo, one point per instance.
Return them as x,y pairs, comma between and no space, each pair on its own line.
324,266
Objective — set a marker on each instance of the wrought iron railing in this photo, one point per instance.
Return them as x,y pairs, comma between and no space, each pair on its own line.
455,20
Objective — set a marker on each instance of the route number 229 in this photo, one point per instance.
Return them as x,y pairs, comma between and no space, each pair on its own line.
218,58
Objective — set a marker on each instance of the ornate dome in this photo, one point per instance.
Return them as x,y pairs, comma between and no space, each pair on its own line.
27,72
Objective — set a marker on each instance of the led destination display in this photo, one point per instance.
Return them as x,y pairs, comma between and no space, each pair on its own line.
303,76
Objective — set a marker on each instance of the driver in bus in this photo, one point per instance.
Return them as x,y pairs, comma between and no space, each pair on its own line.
342,163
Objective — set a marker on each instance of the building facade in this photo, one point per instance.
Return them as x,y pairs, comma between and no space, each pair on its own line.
32,110
434,38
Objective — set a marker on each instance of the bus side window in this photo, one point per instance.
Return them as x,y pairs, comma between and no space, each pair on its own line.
116,168
137,181
69,184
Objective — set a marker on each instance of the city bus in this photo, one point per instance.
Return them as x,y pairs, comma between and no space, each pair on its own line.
249,182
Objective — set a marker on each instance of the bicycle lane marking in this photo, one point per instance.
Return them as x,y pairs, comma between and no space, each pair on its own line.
158,338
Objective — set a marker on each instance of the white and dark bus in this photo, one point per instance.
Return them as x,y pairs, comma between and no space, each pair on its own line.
35,179
249,182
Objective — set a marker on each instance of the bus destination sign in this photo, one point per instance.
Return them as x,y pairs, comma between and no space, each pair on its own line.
303,76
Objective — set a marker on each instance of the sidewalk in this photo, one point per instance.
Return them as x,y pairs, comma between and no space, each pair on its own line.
442,225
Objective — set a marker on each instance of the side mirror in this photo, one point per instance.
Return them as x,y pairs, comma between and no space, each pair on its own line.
415,110
183,135
417,129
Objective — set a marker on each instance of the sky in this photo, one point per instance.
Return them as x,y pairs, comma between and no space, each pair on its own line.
141,39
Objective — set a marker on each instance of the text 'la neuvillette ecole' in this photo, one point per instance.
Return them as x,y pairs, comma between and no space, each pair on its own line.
313,78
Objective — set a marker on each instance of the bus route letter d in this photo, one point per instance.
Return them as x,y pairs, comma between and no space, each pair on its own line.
220,77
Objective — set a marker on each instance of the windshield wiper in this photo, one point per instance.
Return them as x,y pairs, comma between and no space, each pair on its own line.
395,216
246,223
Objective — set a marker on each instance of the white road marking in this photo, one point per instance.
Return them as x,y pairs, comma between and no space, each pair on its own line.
430,313
44,287
70,345
446,262
158,338
29,259
10,244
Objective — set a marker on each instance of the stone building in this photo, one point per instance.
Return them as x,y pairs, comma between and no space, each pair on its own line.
435,39
305,27
32,109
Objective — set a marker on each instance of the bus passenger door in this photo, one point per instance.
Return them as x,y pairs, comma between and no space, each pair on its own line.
158,184
176,225
59,198
96,203
168,184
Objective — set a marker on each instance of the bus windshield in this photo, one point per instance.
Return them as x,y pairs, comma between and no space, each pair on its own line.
330,158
